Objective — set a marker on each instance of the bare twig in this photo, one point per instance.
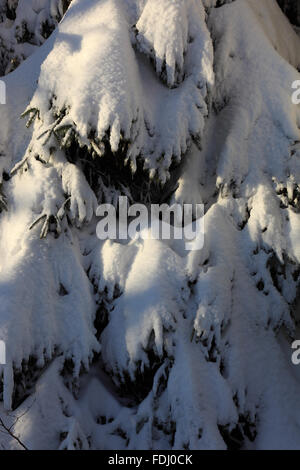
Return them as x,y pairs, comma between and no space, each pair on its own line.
9,431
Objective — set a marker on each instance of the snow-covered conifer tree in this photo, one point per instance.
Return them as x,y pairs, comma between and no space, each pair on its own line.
142,344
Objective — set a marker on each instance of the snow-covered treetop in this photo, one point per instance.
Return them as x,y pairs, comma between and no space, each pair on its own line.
113,97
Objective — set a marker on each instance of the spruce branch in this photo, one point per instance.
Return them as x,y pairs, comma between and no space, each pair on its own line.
8,430
33,113
19,165
3,201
